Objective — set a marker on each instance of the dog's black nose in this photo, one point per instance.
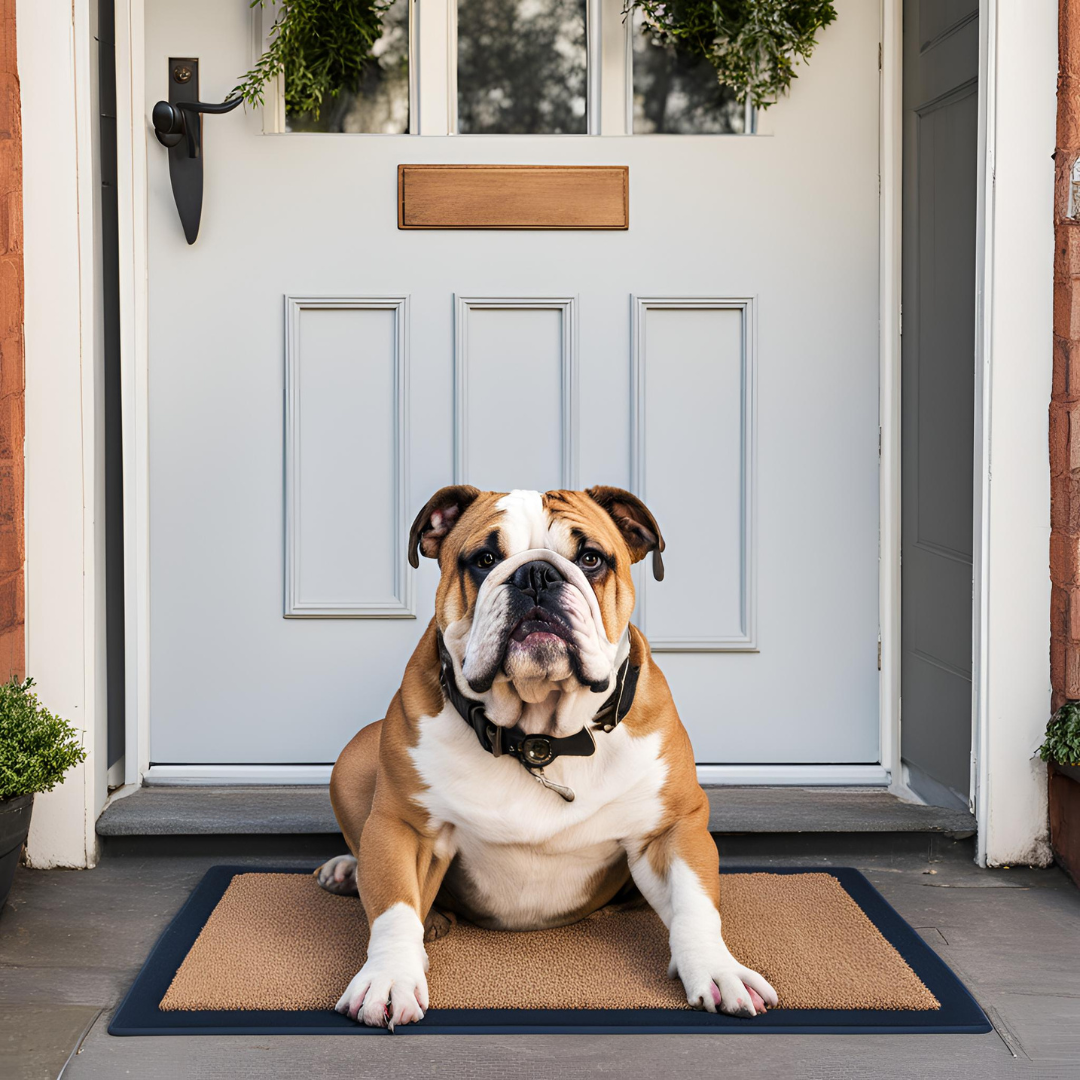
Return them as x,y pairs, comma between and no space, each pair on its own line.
532,578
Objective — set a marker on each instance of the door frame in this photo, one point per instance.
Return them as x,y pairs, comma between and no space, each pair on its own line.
434,118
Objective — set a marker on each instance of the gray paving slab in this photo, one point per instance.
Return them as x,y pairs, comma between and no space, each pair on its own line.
78,938
197,810
36,1043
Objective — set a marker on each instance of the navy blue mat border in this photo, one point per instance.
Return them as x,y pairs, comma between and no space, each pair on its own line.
138,1013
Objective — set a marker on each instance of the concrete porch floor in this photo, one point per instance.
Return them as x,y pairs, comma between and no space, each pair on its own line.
71,943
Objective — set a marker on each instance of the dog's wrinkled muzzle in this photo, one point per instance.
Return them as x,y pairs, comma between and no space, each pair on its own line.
538,590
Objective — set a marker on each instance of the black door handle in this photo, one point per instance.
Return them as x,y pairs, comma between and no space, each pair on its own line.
171,121
178,126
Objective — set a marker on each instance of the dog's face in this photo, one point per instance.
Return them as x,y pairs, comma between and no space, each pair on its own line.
536,592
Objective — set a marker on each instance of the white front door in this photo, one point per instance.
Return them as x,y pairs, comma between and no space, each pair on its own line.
315,373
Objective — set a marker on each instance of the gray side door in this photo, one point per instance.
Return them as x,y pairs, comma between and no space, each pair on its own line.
941,55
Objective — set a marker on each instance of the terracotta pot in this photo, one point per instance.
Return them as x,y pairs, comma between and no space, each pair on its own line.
14,825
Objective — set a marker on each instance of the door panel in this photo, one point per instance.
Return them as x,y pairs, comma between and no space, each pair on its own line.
514,367
707,345
941,58
346,416
520,365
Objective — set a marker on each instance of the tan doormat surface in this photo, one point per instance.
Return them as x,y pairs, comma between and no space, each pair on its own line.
278,941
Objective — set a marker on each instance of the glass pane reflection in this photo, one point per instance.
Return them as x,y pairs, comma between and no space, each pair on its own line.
676,93
521,67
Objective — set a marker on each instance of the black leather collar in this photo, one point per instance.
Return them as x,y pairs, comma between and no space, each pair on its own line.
536,751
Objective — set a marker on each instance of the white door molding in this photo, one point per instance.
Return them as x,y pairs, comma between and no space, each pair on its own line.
890,244
744,637
298,604
131,129
567,307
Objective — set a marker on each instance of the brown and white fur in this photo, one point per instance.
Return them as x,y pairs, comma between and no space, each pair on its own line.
437,824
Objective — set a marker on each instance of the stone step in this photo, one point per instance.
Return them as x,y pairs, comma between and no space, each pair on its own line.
282,811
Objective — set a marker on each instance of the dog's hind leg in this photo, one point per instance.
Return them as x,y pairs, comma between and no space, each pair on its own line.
352,789
438,924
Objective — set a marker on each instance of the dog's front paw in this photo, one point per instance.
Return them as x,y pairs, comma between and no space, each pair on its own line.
384,996
338,875
725,985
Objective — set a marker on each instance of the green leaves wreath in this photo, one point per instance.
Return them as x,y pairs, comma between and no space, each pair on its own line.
753,45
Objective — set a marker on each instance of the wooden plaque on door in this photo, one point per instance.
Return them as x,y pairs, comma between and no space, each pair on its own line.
513,197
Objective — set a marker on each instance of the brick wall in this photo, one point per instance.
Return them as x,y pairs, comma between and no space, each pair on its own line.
12,639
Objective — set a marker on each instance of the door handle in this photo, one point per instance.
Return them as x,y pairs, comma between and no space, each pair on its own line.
178,127
171,121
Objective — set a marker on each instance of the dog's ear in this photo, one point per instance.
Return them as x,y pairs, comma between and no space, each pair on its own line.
434,522
635,522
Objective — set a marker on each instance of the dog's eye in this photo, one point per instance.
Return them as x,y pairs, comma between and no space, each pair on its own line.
485,560
590,560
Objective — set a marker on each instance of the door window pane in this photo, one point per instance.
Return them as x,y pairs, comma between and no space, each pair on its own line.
677,93
521,67
379,102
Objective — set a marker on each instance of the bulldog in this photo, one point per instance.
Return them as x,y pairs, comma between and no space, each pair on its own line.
532,768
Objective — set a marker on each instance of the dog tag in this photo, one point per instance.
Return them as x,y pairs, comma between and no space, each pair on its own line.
565,792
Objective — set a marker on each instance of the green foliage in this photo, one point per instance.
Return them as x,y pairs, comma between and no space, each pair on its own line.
36,748
753,45
322,45
1062,743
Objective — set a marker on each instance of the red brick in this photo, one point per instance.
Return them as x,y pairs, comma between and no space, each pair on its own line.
1059,613
1072,672
11,427
1065,504
1057,663
1064,559
12,653
12,381
1067,249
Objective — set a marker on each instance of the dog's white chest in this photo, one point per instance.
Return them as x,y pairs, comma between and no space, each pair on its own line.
524,855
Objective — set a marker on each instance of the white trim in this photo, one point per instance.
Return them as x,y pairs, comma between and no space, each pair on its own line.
450,47
569,437
612,74
273,108
414,69
891,136
984,291
64,572
1015,246
177,775
594,59
746,305
296,606
794,775
131,128
731,775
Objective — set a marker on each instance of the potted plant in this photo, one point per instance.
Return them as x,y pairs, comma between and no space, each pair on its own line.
1061,750
36,750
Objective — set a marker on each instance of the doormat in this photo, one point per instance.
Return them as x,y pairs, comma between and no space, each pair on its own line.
267,952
